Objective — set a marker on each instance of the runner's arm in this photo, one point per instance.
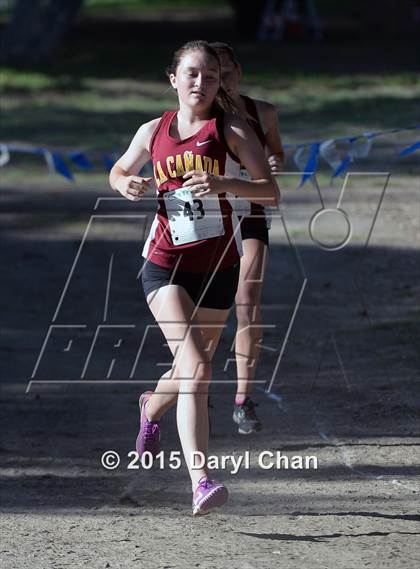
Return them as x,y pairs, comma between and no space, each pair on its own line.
124,174
243,142
274,146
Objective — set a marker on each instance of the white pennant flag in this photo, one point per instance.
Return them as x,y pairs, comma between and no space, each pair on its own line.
360,147
4,155
330,154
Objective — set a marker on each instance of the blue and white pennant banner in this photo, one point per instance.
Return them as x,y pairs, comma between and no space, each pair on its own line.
339,153
307,153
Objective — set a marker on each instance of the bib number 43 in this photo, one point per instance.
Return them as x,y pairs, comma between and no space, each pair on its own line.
192,219
190,210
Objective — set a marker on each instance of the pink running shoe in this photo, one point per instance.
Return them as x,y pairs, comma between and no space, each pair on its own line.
149,433
209,495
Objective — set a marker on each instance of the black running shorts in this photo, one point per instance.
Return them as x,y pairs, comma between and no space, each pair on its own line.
254,228
220,293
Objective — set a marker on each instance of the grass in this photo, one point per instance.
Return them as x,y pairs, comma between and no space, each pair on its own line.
59,110
109,78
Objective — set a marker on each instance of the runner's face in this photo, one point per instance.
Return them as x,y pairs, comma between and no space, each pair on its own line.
197,79
231,75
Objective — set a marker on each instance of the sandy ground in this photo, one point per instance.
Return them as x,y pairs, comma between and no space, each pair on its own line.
345,388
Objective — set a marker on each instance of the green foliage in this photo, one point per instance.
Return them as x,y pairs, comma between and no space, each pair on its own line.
98,7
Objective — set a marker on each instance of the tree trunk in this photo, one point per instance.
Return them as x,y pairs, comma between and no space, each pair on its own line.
36,29
248,17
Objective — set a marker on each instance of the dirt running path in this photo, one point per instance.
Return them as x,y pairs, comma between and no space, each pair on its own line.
356,408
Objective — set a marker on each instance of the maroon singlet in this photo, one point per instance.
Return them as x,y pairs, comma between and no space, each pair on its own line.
172,158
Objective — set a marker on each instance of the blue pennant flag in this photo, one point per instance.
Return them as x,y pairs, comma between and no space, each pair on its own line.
60,166
410,149
345,163
311,164
108,161
80,160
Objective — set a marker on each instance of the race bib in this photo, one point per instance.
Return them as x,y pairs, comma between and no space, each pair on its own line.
192,218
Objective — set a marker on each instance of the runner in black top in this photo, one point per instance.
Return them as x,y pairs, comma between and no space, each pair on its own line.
262,116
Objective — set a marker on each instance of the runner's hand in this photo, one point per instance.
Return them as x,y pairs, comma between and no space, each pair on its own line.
202,184
276,162
133,187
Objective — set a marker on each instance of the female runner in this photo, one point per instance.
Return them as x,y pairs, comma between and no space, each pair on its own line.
262,117
193,250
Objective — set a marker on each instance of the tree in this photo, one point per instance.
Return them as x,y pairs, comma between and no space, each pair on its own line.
35,29
248,17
